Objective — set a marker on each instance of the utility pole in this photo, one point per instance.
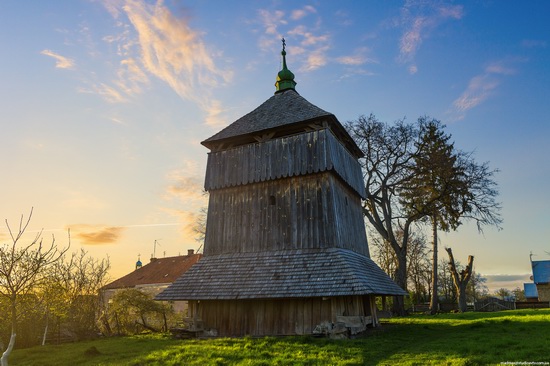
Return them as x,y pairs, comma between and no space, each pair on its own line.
155,247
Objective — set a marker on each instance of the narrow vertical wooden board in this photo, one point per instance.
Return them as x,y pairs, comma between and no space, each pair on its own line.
260,317
326,310
311,243
269,320
252,163
297,318
308,313
316,213
296,156
230,161
322,151
245,222
302,218
236,311
316,314
237,166
303,155
245,166
264,158
313,152
227,325
329,151
260,167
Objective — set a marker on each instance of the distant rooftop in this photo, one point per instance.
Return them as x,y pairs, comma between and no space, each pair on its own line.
541,272
530,290
158,271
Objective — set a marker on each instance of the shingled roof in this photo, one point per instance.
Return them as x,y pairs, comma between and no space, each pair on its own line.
282,274
158,271
286,109
271,114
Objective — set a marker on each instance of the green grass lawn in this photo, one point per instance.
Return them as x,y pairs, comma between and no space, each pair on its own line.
450,339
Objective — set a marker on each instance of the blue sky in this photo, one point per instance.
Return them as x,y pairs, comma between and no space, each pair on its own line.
104,105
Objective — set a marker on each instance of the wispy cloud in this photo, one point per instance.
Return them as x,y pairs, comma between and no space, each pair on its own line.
315,59
215,114
482,86
88,234
108,93
61,62
155,44
186,185
478,90
301,13
96,234
187,189
359,57
187,222
270,21
534,43
342,17
419,20
172,51
310,41
353,72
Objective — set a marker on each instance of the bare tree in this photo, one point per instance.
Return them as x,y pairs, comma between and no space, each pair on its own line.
413,173
519,294
387,166
199,227
22,271
418,265
445,286
72,292
461,279
477,288
503,293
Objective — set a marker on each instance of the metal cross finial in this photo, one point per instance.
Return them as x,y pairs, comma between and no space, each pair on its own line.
284,43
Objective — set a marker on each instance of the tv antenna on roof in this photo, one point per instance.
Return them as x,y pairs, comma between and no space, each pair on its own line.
155,247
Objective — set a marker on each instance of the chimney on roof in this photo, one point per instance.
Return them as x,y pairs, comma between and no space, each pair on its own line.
190,251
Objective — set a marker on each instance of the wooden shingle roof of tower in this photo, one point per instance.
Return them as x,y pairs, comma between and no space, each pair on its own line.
282,274
285,113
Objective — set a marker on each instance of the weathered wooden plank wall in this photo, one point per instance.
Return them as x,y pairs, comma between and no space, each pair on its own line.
306,153
279,316
314,211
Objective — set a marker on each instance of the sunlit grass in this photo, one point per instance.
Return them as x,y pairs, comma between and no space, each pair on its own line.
450,339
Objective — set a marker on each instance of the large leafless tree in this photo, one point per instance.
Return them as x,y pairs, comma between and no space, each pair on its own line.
395,184
387,166
22,269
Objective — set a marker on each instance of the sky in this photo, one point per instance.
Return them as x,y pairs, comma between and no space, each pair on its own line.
104,104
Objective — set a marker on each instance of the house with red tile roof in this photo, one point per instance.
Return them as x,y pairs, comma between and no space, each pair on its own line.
154,277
